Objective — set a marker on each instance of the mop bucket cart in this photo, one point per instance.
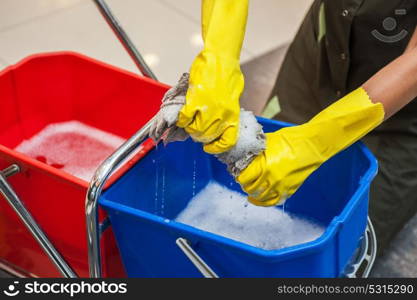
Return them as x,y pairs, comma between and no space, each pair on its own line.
47,228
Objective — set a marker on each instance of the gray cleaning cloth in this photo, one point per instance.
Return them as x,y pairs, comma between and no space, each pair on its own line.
251,141
163,126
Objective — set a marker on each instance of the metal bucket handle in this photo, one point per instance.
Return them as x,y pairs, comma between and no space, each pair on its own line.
14,201
112,162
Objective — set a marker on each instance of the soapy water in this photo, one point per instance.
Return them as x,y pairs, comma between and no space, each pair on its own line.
225,212
71,146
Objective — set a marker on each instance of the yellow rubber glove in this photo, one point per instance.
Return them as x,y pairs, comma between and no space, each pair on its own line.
211,112
293,153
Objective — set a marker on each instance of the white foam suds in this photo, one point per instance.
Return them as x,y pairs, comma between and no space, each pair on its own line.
71,146
249,139
222,211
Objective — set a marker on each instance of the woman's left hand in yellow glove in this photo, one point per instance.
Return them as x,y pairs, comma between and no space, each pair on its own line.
211,112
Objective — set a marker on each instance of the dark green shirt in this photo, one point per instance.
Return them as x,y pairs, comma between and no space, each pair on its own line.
340,44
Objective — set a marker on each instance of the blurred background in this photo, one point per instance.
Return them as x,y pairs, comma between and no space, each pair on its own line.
167,32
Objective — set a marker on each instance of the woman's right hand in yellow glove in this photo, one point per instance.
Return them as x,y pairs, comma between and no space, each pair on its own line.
211,112
293,153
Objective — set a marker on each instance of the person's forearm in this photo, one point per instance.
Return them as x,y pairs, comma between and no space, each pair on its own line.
396,84
223,26
413,42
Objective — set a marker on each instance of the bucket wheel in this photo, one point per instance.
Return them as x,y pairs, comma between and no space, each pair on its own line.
364,257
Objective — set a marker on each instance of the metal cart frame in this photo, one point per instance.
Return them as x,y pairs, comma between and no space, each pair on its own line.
360,267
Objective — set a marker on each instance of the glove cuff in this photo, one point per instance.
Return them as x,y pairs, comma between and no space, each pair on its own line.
345,122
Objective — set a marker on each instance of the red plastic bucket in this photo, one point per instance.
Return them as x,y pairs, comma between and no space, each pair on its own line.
58,87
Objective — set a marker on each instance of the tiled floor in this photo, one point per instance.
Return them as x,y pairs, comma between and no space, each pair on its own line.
167,32
260,75
2,64
16,12
400,259
271,23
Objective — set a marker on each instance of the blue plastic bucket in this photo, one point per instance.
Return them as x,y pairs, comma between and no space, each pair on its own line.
143,203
